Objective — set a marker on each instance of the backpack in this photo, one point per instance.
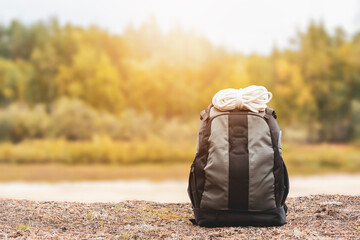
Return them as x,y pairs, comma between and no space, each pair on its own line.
238,177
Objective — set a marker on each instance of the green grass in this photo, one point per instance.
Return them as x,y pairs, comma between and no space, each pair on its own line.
24,227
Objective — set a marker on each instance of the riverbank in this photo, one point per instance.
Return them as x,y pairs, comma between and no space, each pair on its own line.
148,171
315,217
158,191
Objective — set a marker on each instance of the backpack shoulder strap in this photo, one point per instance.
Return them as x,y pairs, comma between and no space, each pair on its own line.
270,117
270,112
205,114
201,156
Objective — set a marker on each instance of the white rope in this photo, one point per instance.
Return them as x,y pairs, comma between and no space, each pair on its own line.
253,98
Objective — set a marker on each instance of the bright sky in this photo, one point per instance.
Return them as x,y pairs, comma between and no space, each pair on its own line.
247,26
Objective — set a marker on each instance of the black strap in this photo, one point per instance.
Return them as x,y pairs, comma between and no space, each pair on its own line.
193,221
285,208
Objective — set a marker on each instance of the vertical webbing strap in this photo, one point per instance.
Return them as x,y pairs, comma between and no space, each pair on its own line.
238,189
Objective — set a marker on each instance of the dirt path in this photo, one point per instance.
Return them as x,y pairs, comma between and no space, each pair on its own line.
315,217
167,191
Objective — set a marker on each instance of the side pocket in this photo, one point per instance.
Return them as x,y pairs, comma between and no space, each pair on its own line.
286,184
285,177
283,189
191,187
280,185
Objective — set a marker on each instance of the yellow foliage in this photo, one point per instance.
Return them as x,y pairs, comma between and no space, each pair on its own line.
170,75
101,150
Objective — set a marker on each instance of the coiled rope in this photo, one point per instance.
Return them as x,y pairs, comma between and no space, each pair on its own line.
253,98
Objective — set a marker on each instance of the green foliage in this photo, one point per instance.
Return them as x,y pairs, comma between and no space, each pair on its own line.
72,119
167,76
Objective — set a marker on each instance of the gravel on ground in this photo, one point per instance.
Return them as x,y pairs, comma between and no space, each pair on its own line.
312,217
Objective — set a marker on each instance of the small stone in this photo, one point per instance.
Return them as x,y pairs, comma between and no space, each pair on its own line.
331,203
332,213
320,210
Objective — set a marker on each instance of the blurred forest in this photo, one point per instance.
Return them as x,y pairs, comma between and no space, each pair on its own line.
141,92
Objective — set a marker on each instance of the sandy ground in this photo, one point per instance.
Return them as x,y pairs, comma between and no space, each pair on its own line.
165,192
